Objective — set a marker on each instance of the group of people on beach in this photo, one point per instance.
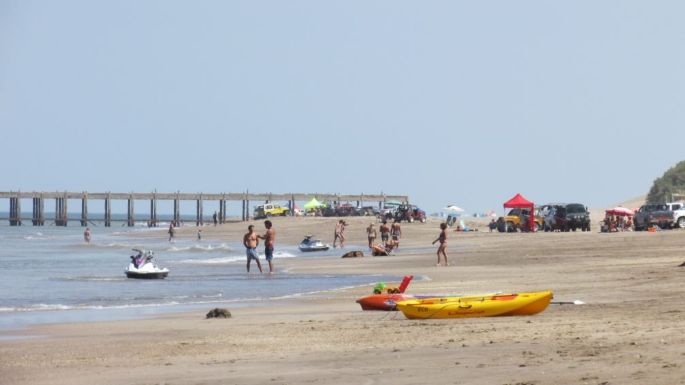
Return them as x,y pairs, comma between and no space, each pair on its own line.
390,237
614,223
390,240
251,241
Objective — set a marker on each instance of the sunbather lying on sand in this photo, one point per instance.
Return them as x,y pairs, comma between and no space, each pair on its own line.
383,250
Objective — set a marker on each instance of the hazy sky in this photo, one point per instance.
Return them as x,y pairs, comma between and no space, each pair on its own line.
450,102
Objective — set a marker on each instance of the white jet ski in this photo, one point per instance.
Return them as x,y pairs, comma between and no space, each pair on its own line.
142,267
311,244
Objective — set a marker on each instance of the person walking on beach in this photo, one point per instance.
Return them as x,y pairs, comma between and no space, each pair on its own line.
86,235
214,218
172,232
250,241
442,238
385,231
396,233
371,234
339,233
269,240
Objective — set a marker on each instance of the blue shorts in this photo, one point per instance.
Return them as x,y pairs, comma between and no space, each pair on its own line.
268,253
251,254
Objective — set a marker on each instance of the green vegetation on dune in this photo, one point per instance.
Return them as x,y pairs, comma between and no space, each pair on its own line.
672,182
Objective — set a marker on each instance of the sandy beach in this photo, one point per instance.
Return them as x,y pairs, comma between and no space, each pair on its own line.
629,331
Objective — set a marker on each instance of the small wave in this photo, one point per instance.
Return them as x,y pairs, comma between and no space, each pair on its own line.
139,229
91,279
37,307
200,248
232,259
199,300
110,245
214,261
284,254
38,236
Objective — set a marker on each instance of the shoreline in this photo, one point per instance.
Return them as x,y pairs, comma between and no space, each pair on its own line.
628,331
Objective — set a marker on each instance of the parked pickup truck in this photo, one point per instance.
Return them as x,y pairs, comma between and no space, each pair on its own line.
653,214
678,209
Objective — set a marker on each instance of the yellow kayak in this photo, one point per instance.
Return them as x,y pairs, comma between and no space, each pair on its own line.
490,305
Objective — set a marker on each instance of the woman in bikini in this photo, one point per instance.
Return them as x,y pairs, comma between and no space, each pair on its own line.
442,249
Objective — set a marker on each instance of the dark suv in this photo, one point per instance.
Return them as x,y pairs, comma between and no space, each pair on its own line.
566,217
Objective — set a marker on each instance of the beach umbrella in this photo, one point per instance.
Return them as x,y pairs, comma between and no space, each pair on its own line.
452,209
620,211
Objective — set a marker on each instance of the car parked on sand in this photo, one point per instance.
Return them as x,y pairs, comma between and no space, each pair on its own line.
653,214
345,210
367,211
566,217
678,209
269,210
388,211
518,216
410,213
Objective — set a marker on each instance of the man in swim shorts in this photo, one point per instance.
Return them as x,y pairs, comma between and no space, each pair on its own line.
339,233
385,231
269,239
396,232
250,241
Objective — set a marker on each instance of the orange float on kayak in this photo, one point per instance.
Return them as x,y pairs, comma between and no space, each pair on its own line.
386,301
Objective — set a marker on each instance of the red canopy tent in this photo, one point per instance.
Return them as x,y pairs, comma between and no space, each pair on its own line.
518,201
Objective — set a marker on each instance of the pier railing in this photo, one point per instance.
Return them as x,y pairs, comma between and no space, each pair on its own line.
61,199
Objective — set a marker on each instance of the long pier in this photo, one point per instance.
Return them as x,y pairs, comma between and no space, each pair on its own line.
61,199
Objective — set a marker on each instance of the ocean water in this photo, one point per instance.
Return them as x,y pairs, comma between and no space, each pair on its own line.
48,274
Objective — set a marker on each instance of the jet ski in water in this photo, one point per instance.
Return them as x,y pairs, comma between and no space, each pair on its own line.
142,267
311,244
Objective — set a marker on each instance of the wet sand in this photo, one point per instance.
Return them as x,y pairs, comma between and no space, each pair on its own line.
630,331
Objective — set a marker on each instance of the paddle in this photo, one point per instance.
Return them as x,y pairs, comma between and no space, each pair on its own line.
576,302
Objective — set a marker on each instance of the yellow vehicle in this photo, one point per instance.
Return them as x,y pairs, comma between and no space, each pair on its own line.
513,219
270,210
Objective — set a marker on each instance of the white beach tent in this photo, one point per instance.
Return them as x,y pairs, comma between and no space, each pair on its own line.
453,210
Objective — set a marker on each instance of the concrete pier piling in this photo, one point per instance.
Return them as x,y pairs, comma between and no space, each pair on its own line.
222,210
108,210
61,218
177,211
153,212
15,211
131,216
84,210
198,212
38,217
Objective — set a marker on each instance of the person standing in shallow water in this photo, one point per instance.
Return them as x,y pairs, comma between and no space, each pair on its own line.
86,235
269,240
442,238
250,241
339,233
172,232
